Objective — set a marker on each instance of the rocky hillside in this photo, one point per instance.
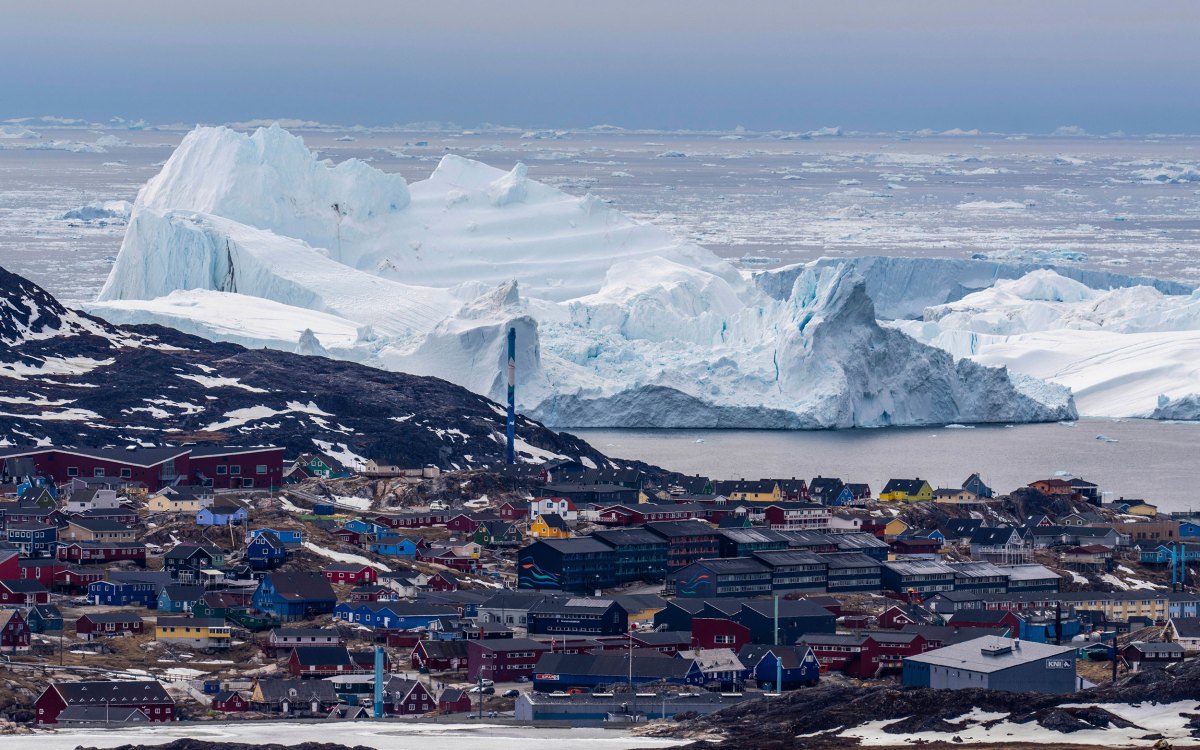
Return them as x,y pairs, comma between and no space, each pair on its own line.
71,379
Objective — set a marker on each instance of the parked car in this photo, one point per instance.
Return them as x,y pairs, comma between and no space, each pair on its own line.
482,691
522,678
487,683
511,693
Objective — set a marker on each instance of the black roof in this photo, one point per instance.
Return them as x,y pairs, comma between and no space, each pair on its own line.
614,665
322,655
112,691
302,586
992,535
669,529
627,537
907,486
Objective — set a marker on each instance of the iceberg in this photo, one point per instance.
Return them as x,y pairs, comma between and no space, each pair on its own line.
252,238
1121,351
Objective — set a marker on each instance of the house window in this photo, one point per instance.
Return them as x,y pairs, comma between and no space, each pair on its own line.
126,473
222,469
98,472
72,471
235,470
260,469
247,482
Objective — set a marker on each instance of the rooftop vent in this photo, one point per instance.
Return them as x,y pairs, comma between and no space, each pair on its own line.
996,649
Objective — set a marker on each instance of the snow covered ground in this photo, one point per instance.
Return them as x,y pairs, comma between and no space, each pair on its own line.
618,323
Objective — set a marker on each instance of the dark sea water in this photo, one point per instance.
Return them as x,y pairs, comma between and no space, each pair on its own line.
1157,461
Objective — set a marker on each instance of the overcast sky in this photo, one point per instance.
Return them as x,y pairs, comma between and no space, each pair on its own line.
1016,65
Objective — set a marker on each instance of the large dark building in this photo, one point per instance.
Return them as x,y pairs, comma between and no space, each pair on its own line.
582,564
212,466
638,555
687,542
585,617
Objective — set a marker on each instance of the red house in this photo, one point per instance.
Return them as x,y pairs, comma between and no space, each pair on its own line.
503,659
88,552
439,656
40,569
105,624
453,701
10,565
512,510
23,592
463,524
372,593
73,578
230,701
864,655
986,618
407,698
103,697
351,573
14,631
224,467
896,617
444,581
349,536
636,515
714,632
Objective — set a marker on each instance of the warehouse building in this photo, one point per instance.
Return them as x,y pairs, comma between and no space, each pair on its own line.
992,663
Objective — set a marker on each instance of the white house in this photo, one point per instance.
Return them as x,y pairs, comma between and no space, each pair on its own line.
562,506
1185,631
92,499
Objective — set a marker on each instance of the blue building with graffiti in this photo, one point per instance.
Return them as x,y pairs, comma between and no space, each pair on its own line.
579,565
743,577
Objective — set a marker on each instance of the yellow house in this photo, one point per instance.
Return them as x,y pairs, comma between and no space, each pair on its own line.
952,496
1138,508
171,501
759,491
202,632
895,527
549,526
907,491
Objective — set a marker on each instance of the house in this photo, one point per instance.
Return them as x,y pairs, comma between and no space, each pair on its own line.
397,546
23,592
791,667
894,528
975,486
720,667
99,553
349,573
44,618
639,514
229,702
797,516
439,656
195,632
125,593
959,530
294,596
286,639
514,510
316,465
1093,557
106,624
309,662
290,537
1141,654
860,493
443,580
906,491
265,551
1031,578
951,496
1053,487
1132,507
845,523
80,528
147,696
913,544
498,535
991,663
453,701
393,615
549,526
185,561
563,507
577,616
865,655
1185,631
998,544
179,597
1012,622
582,564
33,539
15,632
403,697
562,672
795,618
1089,491
180,500
91,498
293,697
503,659
827,491
754,491
222,513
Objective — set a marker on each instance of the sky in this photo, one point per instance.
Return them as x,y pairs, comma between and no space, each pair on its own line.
793,65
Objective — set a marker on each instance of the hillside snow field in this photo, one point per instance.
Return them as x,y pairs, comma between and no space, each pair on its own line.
251,238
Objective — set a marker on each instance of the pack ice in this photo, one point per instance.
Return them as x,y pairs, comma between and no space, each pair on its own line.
253,239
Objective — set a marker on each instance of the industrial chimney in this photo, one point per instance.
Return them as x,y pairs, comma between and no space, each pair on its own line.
510,455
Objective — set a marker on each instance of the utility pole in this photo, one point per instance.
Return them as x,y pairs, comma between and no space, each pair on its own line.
779,656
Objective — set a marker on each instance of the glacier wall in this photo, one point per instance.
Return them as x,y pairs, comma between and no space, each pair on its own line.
253,239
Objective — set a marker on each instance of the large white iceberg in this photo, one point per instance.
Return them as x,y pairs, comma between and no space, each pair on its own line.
253,239
1121,351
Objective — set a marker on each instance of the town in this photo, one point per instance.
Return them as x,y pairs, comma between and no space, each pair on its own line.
200,583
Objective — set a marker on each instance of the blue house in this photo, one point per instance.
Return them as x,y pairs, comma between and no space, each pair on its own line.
1043,630
179,598
845,497
44,618
395,547
799,665
1164,553
222,515
393,615
287,536
294,596
369,528
266,551
1189,531
34,539
124,593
